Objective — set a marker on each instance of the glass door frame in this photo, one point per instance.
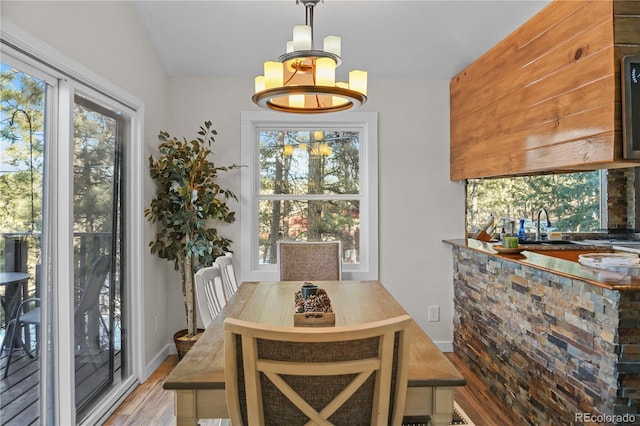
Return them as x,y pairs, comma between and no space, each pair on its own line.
57,401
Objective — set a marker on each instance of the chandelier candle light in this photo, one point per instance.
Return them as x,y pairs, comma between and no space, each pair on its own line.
303,79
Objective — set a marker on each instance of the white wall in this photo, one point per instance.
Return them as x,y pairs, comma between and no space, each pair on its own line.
419,206
107,38
191,102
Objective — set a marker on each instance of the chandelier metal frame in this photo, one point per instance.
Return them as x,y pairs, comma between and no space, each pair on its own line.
300,62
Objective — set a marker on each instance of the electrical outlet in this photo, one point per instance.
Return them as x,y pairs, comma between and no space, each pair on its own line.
434,313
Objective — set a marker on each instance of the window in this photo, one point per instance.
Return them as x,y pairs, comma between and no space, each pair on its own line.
573,201
309,179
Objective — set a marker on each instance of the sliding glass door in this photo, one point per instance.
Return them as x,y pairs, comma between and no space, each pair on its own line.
63,190
23,114
99,135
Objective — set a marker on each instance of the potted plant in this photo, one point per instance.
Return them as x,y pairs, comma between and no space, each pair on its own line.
188,198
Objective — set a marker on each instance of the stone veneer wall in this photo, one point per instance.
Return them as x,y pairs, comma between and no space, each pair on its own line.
548,346
622,191
617,199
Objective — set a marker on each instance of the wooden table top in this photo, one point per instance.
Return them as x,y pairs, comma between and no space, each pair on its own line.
354,302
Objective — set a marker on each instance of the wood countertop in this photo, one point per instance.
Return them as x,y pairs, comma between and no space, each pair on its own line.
534,256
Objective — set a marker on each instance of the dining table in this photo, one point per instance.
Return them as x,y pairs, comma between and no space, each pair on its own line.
198,379
13,293
15,290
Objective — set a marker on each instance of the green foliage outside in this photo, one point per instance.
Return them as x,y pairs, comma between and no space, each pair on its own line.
572,201
94,155
22,148
309,189
21,164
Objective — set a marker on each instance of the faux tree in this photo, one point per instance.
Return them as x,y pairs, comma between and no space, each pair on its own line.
188,200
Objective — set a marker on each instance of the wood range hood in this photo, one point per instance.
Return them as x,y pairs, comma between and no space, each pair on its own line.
546,98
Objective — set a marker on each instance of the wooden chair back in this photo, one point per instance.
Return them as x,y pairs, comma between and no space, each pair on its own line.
87,315
209,293
310,261
229,279
327,375
95,284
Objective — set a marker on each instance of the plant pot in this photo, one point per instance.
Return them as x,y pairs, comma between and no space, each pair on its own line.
184,344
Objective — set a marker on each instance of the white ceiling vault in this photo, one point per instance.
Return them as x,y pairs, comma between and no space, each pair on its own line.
389,39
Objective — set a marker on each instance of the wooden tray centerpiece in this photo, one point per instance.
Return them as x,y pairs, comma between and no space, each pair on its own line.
313,307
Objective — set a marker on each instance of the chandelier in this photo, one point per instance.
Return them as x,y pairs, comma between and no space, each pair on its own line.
302,81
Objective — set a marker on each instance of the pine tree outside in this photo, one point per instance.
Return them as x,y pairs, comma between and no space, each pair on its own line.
309,189
572,201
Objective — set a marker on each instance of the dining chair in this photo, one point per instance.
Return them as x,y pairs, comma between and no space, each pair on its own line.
87,314
229,279
355,375
27,313
309,261
209,293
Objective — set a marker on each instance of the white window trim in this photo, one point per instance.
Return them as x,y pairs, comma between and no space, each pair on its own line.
604,210
39,55
367,124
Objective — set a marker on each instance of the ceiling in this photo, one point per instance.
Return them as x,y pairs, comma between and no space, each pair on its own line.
389,39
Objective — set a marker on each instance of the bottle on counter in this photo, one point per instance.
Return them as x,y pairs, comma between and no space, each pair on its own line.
522,233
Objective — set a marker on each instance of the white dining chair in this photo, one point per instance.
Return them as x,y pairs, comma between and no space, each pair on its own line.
229,279
209,293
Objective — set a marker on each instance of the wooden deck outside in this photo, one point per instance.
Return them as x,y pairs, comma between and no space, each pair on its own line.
20,391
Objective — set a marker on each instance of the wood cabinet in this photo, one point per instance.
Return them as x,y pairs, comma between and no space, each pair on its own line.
547,97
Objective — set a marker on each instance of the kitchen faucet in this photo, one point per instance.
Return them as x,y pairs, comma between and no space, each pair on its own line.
538,238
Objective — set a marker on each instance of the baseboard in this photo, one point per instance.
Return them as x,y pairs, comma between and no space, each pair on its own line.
157,360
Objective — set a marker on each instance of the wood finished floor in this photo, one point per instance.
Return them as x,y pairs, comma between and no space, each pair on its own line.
477,401
149,404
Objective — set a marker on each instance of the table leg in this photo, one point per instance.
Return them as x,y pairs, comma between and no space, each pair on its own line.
10,302
25,336
185,408
442,406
